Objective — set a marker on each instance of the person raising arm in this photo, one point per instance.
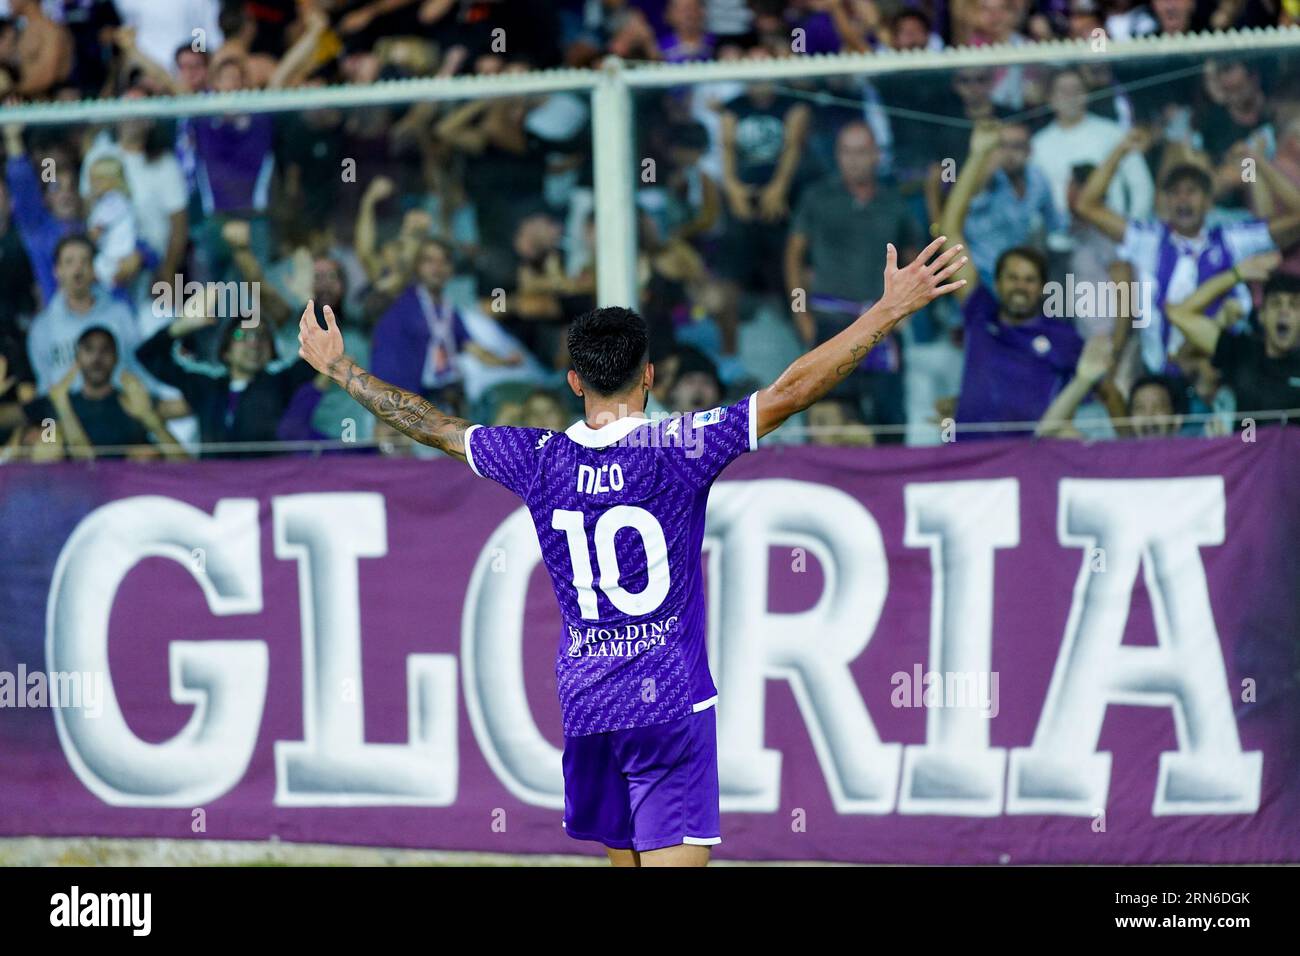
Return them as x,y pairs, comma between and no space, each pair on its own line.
1095,363
1190,315
807,379
972,178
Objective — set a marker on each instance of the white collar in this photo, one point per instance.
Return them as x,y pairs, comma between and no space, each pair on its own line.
1191,243
606,435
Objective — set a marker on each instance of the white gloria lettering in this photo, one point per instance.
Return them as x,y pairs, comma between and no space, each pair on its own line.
226,681
1155,526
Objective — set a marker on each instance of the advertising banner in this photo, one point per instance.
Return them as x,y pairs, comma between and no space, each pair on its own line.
1003,651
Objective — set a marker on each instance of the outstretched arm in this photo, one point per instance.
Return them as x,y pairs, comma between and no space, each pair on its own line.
810,377
412,415
1191,316
1091,204
974,176
1095,363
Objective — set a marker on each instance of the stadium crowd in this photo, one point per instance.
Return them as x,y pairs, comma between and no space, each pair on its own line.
1133,225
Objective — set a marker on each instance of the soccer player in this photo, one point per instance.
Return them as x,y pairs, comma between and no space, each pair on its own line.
618,501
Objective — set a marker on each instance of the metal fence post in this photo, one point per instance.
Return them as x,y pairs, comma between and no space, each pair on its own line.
615,187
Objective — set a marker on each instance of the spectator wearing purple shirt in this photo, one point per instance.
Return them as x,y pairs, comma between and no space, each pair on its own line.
234,164
419,340
43,217
1016,358
819,32
687,39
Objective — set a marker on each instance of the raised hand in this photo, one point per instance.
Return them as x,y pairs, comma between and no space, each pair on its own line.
380,188
1137,140
237,233
922,280
134,397
60,390
320,348
984,138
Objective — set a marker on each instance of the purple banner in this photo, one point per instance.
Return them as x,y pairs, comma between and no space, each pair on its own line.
990,652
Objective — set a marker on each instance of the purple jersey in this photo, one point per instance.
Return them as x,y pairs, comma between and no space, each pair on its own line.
619,513
1011,373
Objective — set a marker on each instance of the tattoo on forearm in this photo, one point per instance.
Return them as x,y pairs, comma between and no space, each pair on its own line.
856,354
410,414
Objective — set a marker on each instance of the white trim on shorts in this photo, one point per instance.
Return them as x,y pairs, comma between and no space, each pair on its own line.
701,841
704,704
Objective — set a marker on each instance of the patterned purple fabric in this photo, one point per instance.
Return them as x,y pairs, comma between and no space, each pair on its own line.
619,513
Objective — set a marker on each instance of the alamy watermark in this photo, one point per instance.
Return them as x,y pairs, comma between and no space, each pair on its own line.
224,300
959,690
76,690
1090,300
682,430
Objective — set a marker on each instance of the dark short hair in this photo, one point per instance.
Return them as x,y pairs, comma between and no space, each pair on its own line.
343,275
73,239
1187,172
97,330
1173,388
447,248
909,14
188,48
231,19
234,325
691,361
1282,283
1231,63
1028,253
608,348
1065,71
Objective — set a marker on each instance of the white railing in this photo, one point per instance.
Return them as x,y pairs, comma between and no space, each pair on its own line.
789,435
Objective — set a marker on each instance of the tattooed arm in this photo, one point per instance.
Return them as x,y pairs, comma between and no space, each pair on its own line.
410,414
810,377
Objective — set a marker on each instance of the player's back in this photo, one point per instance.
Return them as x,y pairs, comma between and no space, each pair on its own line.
619,513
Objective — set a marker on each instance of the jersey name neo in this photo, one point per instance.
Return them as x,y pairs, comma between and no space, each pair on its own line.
595,481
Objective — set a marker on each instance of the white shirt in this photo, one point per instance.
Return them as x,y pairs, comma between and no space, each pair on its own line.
1137,22
163,25
1141,248
727,17
52,339
1056,150
157,188
113,221
487,332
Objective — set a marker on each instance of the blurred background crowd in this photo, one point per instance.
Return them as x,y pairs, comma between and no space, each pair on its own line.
1133,223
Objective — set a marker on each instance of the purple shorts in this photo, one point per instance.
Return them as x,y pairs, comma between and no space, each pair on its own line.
645,788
